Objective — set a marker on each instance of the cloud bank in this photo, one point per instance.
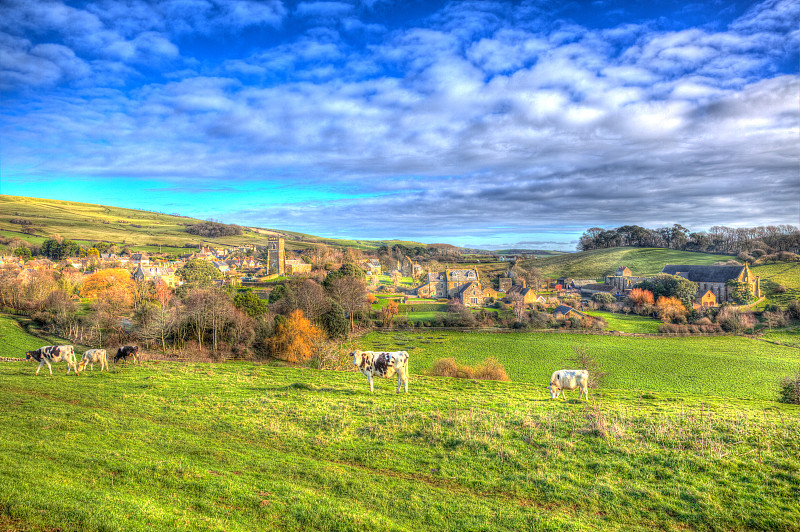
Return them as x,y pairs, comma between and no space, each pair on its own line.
469,122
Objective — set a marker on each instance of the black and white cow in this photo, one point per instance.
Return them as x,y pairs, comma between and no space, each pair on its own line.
383,364
127,351
51,354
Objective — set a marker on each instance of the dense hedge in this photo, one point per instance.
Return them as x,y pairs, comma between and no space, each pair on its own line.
423,307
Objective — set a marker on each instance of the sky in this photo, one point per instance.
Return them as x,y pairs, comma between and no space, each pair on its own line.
476,123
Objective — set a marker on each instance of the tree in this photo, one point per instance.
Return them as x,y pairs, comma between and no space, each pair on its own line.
103,280
388,313
198,272
335,321
741,293
250,304
351,293
23,253
209,310
641,297
295,338
311,299
670,307
671,286
603,297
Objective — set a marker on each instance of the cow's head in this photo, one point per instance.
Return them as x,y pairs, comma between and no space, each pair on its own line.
28,355
553,389
357,357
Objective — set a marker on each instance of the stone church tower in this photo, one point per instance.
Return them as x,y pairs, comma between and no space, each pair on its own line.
276,255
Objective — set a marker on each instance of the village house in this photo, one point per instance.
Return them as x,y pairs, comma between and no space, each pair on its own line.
715,278
372,266
448,284
156,274
139,259
221,266
565,311
470,295
706,300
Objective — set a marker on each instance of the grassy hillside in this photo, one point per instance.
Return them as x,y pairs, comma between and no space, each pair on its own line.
84,223
597,263
16,339
783,274
249,447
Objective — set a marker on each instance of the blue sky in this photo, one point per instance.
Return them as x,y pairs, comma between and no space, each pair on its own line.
474,123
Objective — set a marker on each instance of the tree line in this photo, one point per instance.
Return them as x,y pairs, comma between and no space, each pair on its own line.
753,241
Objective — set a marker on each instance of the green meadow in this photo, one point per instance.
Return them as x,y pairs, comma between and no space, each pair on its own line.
741,367
684,435
240,446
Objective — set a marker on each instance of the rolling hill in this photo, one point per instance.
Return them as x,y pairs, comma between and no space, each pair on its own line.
141,230
597,263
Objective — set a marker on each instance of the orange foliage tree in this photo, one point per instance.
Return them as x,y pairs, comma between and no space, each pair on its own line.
640,296
670,307
103,280
295,338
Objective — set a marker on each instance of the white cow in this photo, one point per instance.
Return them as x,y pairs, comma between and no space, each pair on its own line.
94,355
569,379
383,364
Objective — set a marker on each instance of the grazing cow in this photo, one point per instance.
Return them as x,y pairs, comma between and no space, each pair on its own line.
94,355
569,379
383,364
53,353
127,351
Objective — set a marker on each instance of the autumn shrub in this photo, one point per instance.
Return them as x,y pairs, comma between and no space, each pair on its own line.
295,338
489,370
789,390
641,297
669,308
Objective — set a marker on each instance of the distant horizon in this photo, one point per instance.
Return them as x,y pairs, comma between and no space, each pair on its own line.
374,239
487,125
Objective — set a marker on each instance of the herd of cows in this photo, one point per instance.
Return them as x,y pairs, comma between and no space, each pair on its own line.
57,353
371,363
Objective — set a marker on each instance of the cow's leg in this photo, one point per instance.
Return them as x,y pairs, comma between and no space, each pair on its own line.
371,388
40,366
49,366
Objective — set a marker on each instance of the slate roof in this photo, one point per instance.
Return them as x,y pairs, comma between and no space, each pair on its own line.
705,274
565,309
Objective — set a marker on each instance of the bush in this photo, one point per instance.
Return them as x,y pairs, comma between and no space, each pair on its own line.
780,289
790,390
581,359
489,370
603,297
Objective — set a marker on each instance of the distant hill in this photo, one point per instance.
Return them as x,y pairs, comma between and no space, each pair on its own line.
141,230
597,263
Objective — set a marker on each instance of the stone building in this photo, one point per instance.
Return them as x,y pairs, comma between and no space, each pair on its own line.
715,278
448,284
297,267
623,279
276,255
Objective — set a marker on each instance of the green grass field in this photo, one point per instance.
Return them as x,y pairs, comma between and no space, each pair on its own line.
242,446
742,367
248,447
630,323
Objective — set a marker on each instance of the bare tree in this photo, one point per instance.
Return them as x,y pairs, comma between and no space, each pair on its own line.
312,299
351,293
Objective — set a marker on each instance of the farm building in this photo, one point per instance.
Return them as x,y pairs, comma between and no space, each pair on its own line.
565,311
706,300
623,279
714,279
